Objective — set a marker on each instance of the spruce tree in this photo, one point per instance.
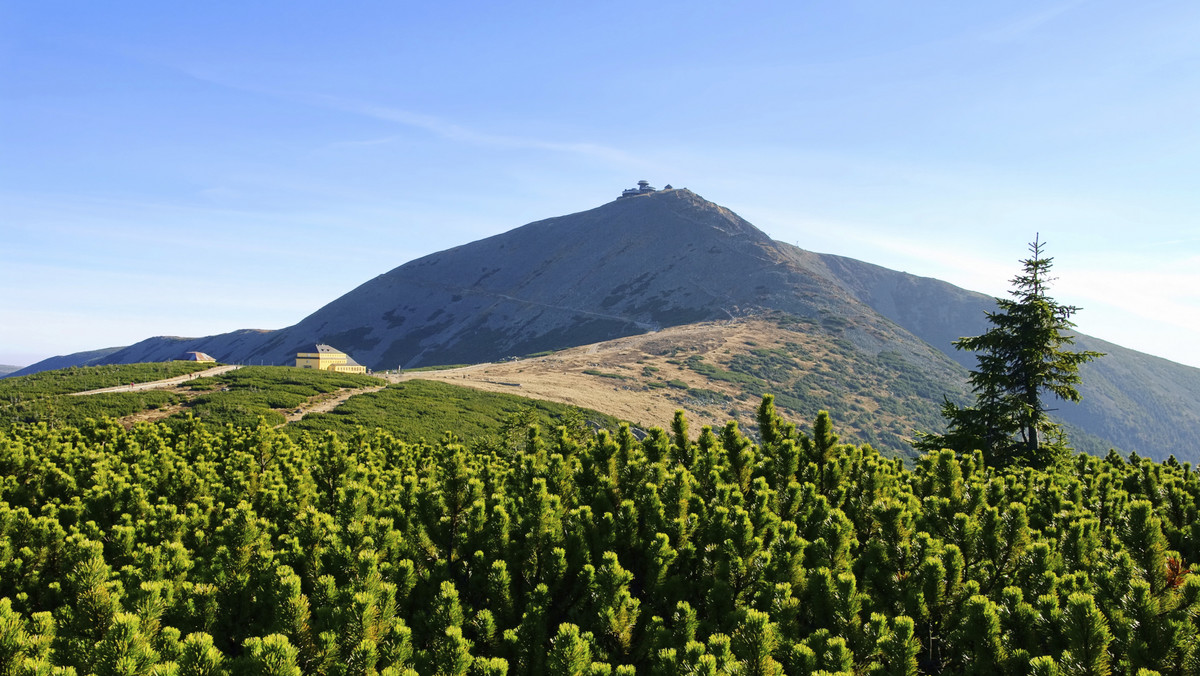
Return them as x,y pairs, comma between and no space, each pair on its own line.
1021,358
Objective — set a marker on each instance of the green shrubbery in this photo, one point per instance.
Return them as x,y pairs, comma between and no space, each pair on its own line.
804,382
307,382
416,410
241,550
244,396
84,378
605,374
238,397
44,397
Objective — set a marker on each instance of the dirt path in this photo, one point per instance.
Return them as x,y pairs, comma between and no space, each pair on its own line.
152,415
163,384
325,405
322,403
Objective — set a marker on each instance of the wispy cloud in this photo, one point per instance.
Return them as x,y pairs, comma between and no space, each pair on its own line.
443,128
459,133
1024,25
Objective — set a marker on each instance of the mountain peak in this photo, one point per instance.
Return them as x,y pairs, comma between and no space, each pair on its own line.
674,212
657,259
635,264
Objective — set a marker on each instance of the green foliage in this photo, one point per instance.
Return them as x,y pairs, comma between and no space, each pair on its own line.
73,411
424,409
40,397
880,397
605,374
84,378
1022,358
196,550
239,397
697,364
306,382
243,396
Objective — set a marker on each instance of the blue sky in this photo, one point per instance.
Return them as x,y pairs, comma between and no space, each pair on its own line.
195,168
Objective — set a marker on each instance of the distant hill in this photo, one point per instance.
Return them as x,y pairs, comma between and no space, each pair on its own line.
6,369
672,258
89,358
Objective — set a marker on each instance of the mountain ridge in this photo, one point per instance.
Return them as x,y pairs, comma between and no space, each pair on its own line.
668,258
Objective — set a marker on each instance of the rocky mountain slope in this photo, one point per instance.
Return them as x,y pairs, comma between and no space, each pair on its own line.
626,267
672,258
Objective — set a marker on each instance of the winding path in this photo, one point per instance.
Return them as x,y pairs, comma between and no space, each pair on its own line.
327,405
161,384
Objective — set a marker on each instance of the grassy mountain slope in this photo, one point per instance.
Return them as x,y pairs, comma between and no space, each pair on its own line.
286,397
1142,403
424,411
718,371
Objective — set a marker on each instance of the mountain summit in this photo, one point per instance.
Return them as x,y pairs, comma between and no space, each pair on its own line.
636,264
653,259
633,265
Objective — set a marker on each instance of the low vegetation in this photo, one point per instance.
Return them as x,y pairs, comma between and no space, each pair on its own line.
605,374
244,396
85,378
424,411
42,397
241,550
881,399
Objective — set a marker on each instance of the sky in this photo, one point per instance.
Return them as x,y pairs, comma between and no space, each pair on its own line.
195,168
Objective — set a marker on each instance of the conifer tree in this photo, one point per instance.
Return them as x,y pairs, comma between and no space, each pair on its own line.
769,423
490,666
899,649
125,649
450,654
1044,666
978,638
1087,635
200,657
821,447
755,642
97,603
271,655
1021,358
14,639
618,609
570,652
682,449
1142,534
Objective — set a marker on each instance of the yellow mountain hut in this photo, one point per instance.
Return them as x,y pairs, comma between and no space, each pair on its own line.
327,358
